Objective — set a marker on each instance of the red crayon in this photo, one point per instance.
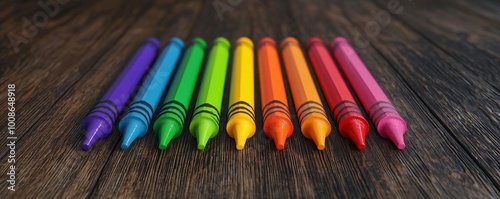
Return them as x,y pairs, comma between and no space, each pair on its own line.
346,112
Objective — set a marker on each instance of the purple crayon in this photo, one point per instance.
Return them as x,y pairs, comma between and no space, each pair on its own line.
99,122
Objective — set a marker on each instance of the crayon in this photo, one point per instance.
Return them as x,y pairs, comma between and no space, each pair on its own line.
346,112
312,116
173,112
205,122
99,122
241,113
139,114
384,116
275,112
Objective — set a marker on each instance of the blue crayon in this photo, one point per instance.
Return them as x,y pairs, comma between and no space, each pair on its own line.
136,121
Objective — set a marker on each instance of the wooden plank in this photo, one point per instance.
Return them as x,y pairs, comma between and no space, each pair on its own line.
469,39
189,173
434,164
433,159
487,10
482,105
462,102
18,20
54,63
49,161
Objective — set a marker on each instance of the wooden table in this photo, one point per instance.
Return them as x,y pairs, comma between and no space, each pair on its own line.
438,61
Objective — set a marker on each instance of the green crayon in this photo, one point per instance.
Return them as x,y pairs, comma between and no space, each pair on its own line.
174,109
206,116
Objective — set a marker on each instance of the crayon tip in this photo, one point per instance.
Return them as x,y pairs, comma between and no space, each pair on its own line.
131,129
93,131
203,131
241,132
357,136
279,139
318,134
395,132
280,131
356,130
168,130
130,133
202,138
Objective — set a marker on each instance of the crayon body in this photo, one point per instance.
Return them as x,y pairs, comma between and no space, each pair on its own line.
241,113
380,110
275,112
205,122
139,114
175,106
99,122
312,116
346,112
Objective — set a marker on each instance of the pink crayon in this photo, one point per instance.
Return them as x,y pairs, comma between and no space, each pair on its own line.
387,120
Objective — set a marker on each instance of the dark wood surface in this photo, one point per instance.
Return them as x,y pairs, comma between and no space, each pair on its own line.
438,61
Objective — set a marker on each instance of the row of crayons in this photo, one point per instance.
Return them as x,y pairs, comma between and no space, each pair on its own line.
241,112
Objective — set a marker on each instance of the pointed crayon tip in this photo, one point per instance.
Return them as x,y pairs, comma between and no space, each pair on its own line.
94,131
396,133
131,131
398,140
125,144
241,133
203,131
169,130
165,138
318,135
280,133
357,137
279,146
202,139
278,129
279,139
129,136
356,130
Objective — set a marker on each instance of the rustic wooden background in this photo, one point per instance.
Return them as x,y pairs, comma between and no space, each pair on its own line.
438,61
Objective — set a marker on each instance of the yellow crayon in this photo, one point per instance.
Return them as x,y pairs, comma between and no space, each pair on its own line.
241,114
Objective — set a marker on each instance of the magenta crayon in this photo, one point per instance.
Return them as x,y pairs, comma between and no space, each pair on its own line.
99,122
384,116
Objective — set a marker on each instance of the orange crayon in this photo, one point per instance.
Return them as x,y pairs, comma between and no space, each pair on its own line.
275,113
312,116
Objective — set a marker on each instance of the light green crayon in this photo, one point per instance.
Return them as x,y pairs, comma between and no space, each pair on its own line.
206,116
174,109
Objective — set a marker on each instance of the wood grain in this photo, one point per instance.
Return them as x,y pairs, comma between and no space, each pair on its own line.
430,73
51,65
424,177
157,170
14,26
435,77
487,10
56,166
456,33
